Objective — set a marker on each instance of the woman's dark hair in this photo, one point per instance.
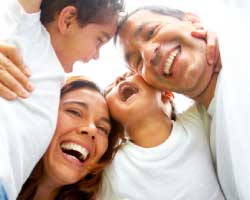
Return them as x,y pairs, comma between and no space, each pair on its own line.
88,187
88,11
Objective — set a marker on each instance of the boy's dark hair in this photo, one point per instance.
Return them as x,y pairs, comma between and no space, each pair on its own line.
155,9
88,11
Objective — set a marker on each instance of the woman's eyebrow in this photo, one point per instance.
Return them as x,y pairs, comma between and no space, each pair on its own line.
80,103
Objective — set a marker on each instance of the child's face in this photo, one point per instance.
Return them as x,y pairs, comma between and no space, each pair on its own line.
84,43
130,99
82,130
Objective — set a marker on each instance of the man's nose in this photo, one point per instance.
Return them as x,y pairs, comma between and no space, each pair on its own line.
149,52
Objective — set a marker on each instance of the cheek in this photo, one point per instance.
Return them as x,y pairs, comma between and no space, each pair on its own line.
102,145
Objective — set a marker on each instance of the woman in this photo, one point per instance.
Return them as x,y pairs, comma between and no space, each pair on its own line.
83,144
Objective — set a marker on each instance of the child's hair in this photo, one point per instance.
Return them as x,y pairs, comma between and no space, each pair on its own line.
88,187
88,11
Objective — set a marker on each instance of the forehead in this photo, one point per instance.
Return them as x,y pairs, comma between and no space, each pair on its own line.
90,97
108,27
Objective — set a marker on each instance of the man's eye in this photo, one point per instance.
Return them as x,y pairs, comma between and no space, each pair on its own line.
151,32
139,64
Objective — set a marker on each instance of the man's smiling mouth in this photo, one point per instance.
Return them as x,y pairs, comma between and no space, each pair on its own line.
167,65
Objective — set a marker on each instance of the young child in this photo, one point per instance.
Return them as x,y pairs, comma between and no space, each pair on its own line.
163,159
71,30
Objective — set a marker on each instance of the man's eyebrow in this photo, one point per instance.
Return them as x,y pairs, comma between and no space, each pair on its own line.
80,103
139,29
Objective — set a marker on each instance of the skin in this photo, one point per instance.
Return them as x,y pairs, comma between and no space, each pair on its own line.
147,49
83,119
141,130
73,42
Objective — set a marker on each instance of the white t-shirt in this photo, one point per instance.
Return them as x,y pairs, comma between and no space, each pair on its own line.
230,111
27,125
180,168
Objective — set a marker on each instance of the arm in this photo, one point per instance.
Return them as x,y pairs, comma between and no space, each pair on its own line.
31,6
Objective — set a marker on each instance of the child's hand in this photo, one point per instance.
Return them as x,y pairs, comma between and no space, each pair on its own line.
13,73
212,44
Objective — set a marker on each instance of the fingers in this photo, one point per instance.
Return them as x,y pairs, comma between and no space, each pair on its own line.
10,85
6,93
212,44
13,72
13,53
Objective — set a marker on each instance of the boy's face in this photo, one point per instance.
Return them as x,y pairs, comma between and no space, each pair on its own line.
84,43
130,98
161,49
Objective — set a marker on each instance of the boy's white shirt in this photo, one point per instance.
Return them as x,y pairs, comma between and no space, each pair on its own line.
179,168
27,125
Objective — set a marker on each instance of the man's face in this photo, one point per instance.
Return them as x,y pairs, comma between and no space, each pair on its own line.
161,49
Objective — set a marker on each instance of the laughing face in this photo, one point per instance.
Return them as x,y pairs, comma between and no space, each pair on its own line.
161,49
81,136
128,97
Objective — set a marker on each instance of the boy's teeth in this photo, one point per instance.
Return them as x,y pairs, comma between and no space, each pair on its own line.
72,146
170,60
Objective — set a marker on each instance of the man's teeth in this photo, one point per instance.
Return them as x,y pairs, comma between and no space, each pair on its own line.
75,147
170,61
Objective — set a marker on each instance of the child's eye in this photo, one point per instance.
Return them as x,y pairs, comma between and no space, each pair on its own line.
74,112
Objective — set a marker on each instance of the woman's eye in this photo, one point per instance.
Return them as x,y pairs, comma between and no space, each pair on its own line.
104,130
74,112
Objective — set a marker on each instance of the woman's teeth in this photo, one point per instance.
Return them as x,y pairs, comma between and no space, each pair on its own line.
170,61
77,148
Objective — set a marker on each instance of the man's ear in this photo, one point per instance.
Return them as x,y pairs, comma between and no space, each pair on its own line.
166,96
194,20
66,18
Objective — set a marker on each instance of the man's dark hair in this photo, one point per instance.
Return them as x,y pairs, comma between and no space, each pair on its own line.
155,9
88,11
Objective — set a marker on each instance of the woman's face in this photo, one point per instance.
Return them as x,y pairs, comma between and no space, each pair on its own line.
81,136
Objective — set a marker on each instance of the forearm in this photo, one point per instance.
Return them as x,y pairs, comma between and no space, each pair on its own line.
31,6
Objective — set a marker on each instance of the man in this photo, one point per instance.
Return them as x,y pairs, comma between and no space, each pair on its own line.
160,48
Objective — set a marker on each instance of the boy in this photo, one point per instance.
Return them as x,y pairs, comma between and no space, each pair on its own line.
163,159
73,30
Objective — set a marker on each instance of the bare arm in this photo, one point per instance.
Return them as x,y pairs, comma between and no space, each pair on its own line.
31,6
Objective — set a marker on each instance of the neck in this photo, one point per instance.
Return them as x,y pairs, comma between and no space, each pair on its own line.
46,190
150,131
207,95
